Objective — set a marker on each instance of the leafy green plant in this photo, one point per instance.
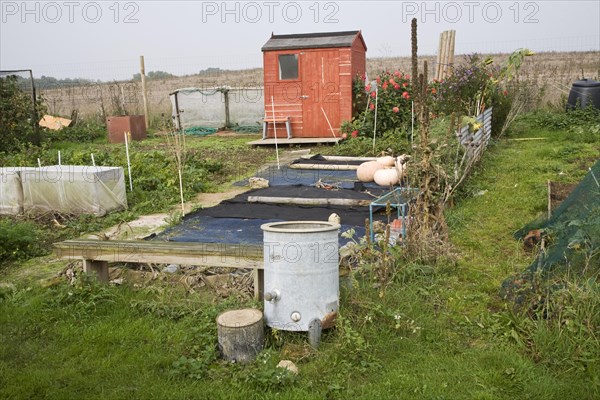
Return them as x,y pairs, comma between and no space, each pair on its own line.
16,114
20,240
82,132
82,299
582,123
353,345
391,142
203,352
194,367
265,375
556,321
364,257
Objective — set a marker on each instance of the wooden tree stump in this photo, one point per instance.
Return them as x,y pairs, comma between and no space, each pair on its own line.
241,334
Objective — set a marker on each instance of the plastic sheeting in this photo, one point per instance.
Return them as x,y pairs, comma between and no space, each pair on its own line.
238,207
246,107
74,189
11,191
206,107
198,107
237,221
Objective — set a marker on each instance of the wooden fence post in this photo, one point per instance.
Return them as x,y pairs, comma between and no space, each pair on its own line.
144,94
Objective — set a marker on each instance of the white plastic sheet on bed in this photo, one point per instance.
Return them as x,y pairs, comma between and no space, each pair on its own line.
74,189
11,192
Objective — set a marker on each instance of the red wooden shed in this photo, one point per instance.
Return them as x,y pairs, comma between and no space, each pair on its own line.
308,82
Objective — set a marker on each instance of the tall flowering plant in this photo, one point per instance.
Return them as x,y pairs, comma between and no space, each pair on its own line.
478,84
469,89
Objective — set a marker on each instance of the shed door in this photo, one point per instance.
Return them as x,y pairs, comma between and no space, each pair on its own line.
320,92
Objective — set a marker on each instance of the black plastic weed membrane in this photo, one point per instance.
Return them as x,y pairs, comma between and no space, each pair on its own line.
571,234
288,176
238,221
205,229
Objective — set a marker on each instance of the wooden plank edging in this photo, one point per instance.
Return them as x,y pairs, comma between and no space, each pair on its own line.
96,254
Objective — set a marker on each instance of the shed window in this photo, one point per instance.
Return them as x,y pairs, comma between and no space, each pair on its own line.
288,66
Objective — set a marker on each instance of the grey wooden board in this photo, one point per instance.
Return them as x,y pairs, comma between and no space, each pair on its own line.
209,254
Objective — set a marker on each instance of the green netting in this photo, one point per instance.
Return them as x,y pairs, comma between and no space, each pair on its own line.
200,130
572,233
246,128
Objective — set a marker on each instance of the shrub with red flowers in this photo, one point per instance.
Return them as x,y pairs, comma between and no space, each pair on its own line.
391,94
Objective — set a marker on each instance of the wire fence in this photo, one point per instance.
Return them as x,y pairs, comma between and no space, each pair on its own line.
119,91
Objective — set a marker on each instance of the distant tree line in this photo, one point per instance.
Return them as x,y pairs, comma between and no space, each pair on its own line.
211,71
154,75
49,82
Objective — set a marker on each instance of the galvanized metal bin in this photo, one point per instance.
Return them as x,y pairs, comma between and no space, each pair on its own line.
301,274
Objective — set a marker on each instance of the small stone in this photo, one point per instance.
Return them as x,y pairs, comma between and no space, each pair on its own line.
290,366
171,268
258,183
335,219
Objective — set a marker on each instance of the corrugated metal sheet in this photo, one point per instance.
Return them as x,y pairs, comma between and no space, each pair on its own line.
475,142
311,40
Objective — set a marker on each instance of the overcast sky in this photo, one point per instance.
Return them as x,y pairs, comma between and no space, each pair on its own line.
104,39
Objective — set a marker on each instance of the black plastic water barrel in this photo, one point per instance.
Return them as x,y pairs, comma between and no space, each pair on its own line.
584,93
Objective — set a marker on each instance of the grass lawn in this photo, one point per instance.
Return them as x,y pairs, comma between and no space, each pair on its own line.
436,333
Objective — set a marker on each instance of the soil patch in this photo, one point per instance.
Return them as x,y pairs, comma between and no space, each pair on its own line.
559,192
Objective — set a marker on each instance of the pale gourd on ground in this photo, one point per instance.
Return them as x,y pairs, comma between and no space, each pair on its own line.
366,171
386,161
387,177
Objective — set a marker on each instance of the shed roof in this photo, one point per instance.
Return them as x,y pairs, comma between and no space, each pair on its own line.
312,40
